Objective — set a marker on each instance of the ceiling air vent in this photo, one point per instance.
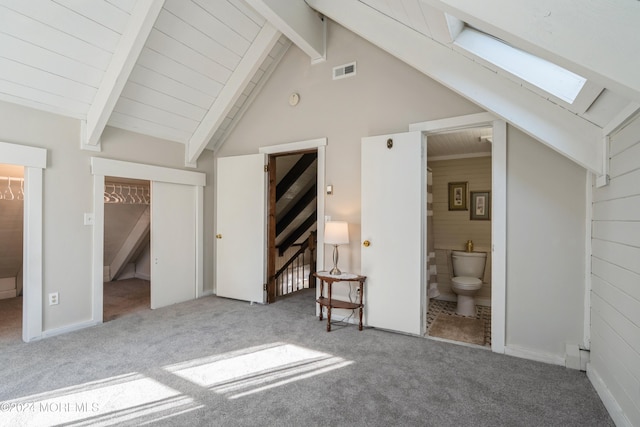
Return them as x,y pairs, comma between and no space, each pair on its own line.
344,71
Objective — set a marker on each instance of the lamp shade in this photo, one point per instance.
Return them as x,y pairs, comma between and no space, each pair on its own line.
336,233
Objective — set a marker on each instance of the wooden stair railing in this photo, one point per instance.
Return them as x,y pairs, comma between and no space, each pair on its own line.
293,276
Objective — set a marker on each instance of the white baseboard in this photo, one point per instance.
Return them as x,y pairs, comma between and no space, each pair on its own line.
530,354
337,317
142,276
615,411
70,328
8,294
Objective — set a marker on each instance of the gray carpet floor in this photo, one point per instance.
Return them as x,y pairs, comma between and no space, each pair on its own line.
219,362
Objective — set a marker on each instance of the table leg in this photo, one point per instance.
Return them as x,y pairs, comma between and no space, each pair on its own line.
361,307
321,295
329,318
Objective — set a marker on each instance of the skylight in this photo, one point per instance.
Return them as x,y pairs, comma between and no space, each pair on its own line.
541,73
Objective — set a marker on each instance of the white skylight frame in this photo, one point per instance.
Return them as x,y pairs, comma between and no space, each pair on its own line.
563,85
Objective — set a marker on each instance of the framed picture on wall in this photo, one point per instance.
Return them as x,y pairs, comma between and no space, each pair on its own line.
457,196
480,205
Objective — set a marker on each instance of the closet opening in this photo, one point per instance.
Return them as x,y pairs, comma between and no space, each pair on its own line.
127,247
11,251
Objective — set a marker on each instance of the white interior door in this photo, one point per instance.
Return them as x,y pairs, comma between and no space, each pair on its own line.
394,224
241,227
173,243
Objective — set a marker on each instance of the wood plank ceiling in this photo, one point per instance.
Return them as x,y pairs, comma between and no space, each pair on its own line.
55,55
186,70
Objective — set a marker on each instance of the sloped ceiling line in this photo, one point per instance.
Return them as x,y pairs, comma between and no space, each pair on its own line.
298,22
556,127
240,78
243,103
142,19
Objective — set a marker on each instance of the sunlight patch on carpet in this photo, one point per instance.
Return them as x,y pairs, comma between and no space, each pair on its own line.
252,370
125,398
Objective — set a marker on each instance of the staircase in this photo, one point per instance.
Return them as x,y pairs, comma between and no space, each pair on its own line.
295,213
297,271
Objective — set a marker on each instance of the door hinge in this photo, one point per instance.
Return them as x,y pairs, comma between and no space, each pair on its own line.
266,168
264,287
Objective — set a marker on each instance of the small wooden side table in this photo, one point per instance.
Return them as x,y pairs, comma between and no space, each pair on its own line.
329,302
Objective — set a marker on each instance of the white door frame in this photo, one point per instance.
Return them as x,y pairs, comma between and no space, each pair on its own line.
319,144
498,210
34,160
101,167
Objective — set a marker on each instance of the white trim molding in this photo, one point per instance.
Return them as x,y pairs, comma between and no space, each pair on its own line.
109,167
34,160
530,354
614,409
294,146
310,144
498,208
101,167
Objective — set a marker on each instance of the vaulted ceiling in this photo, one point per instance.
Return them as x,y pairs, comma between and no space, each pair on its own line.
185,70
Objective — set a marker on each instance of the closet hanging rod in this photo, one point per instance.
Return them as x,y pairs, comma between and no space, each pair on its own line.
126,194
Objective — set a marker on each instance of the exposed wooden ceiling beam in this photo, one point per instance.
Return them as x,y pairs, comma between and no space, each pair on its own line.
551,124
294,173
241,76
598,40
298,22
296,209
143,17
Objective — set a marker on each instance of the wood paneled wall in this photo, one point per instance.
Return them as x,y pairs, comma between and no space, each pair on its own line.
452,229
615,274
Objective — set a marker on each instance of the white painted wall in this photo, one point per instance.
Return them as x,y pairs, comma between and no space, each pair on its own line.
452,229
615,278
143,264
544,308
68,195
384,97
545,250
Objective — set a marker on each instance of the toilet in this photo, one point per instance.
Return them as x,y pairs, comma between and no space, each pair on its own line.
468,270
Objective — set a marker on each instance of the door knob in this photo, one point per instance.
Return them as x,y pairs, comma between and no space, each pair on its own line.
218,236
366,243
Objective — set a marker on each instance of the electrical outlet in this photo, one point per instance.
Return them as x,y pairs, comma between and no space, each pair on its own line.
54,298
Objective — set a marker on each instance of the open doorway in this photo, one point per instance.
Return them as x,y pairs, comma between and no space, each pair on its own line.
292,222
459,160
176,211
497,206
11,251
127,249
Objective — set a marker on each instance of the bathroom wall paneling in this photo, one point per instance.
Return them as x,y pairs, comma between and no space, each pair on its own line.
453,228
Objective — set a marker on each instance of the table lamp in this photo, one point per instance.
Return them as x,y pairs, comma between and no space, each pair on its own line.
336,233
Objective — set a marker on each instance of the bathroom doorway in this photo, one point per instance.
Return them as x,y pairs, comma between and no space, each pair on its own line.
459,183
11,251
498,206
127,249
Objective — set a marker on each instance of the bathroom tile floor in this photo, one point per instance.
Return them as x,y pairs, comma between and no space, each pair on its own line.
449,308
